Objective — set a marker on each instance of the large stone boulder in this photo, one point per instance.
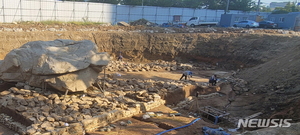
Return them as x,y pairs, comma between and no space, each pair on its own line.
62,64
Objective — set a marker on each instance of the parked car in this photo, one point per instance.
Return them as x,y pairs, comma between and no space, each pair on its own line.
267,24
246,24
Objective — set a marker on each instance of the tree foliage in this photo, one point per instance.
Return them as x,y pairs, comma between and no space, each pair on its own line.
289,7
243,5
265,9
98,1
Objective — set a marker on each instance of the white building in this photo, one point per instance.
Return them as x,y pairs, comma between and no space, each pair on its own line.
273,5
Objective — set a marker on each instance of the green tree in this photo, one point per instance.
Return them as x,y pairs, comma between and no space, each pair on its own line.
98,1
265,9
191,3
106,1
289,7
132,2
244,5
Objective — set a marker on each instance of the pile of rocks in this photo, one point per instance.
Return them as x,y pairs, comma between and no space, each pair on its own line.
154,66
238,85
49,112
142,22
151,86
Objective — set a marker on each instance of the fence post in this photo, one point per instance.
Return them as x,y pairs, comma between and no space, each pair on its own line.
181,18
54,11
116,14
169,15
41,16
102,14
142,11
40,12
129,15
87,12
156,15
194,12
205,14
3,11
73,12
21,10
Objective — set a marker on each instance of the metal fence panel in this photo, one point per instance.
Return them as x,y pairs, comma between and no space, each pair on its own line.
45,10
163,11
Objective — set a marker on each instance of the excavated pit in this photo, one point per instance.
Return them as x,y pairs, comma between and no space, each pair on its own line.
207,51
175,97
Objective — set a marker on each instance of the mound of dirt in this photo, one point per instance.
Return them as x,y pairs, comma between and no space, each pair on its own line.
143,22
277,79
279,73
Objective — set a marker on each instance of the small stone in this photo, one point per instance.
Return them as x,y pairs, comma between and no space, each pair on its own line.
112,125
108,130
20,85
41,118
46,124
129,122
21,108
37,89
50,119
33,119
46,108
31,131
27,87
49,128
122,123
3,93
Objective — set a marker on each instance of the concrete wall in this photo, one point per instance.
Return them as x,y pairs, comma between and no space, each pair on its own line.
43,10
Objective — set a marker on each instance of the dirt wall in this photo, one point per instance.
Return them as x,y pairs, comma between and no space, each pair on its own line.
230,51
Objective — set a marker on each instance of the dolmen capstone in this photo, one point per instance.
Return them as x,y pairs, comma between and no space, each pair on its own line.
62,64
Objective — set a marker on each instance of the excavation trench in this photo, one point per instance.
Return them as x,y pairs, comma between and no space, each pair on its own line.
231,51
176,96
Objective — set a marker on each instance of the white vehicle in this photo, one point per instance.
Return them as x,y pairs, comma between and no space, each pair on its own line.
195,21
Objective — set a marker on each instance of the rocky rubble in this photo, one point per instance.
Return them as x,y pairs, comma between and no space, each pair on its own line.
50,112
238,85
121,66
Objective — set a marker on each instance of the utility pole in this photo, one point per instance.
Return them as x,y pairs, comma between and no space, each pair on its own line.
258,7
227,5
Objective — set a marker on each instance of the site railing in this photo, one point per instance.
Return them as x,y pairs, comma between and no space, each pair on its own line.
66,11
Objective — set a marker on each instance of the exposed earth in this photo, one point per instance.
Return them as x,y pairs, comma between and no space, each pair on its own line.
268,60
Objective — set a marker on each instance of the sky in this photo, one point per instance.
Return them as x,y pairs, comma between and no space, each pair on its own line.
267,2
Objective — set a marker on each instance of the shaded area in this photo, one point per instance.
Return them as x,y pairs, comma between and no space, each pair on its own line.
16,116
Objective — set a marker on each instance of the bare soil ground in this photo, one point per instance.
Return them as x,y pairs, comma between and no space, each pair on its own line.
274,84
